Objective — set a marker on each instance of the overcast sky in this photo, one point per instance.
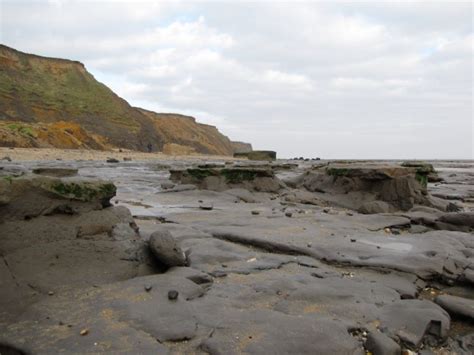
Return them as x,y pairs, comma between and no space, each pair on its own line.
330,79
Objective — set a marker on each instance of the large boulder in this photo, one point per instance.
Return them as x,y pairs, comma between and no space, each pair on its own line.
57,234
166,249
220,179
32,195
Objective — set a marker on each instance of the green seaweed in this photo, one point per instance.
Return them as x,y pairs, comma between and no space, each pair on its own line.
83,192
108,189
234,176
422,178
199,174
8,178
337,171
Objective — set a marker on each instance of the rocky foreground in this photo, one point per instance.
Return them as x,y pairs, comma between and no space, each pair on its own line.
230,257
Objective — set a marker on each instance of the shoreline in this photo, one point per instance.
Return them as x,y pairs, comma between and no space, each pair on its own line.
30,154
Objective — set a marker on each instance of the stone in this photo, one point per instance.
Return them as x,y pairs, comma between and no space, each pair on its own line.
413,320
166,249
458,218
112,160
380,344
56,172
220,179
167,185
268,155
457,306
173,295
32,195
206,206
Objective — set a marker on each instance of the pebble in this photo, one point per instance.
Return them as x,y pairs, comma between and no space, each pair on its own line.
255,212
148,288
84,332
173,295
288,214
50,293
206,206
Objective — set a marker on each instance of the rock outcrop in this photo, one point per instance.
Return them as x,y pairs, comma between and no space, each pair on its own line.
369,188
267,155
241,147
220,179
49,102
62,233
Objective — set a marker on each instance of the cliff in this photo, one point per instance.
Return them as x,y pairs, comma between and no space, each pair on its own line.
50,102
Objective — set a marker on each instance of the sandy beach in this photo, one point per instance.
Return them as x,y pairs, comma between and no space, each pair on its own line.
30,154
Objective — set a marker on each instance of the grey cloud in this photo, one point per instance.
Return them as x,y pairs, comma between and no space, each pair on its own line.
357,80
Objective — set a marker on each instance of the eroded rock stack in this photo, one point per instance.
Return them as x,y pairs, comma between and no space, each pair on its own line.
222,178
370,189
61,233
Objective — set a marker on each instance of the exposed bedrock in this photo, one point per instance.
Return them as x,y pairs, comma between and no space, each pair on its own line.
219,179
59,233
286,272
370,189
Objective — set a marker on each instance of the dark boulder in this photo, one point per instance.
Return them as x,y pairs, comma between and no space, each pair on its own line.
166,249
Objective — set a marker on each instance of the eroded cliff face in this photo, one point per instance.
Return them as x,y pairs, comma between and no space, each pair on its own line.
183,134
43,100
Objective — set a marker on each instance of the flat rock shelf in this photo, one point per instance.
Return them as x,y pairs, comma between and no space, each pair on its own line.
291,257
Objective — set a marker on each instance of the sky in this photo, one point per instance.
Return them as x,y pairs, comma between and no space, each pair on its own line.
330,79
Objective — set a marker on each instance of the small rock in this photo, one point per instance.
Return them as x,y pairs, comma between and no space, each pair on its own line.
310,245
255,212
167,185
288,214
84,332
148,288
173,295
387,230
353,240
379,343
206,206
50,293
112,160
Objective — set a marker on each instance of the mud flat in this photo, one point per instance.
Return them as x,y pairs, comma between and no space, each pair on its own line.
217,256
